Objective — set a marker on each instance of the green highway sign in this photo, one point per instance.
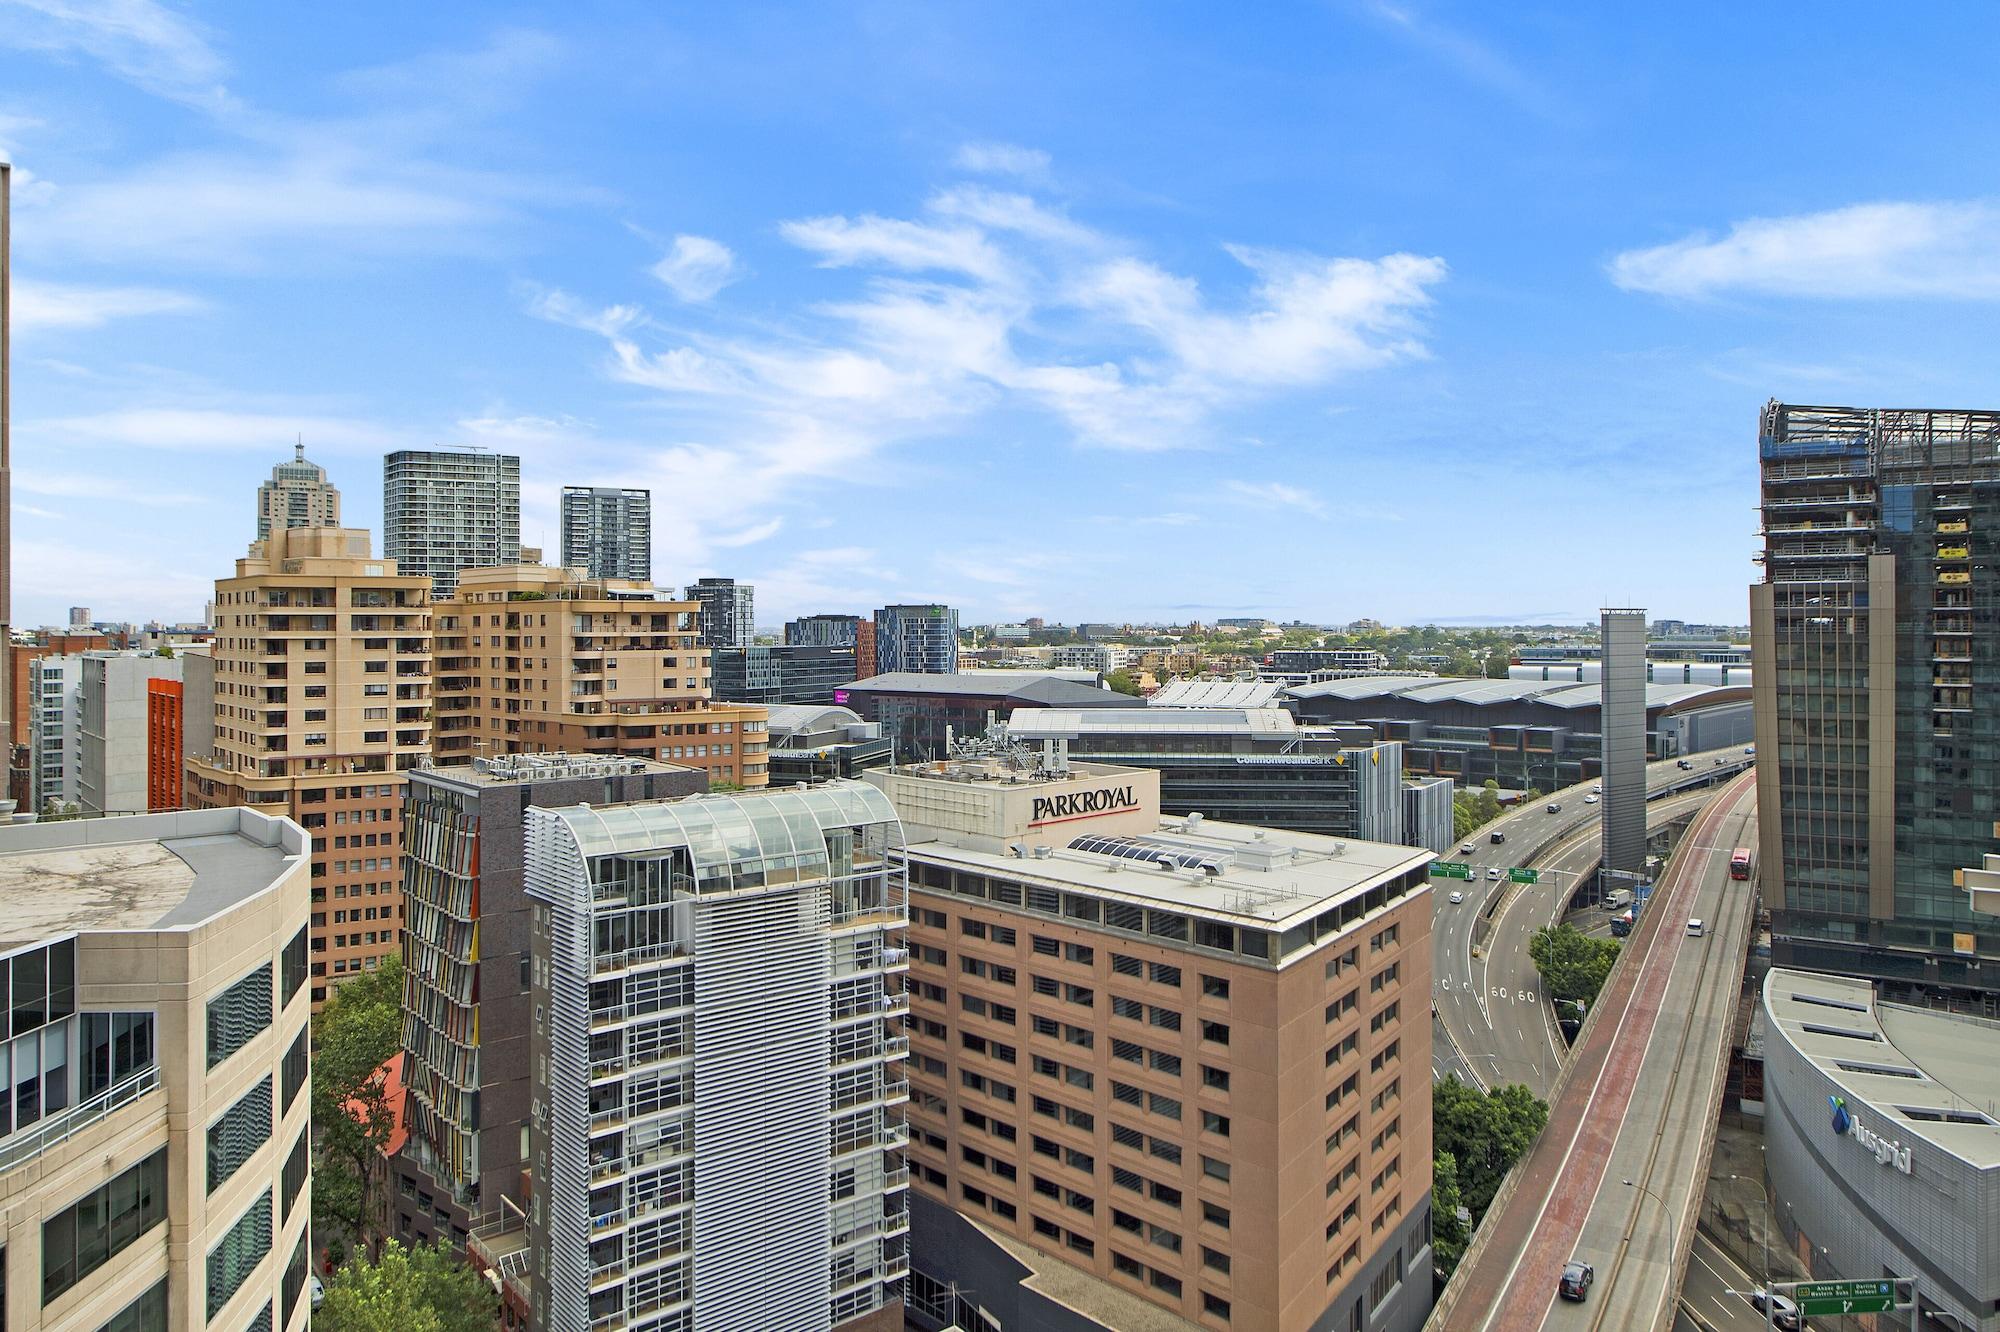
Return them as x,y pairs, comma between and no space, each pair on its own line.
1848,1304
1835,1290
1450,869
1524,875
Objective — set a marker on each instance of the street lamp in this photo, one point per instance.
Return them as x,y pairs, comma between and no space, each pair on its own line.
1673,1222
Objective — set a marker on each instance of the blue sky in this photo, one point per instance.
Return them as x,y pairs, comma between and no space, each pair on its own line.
1108,311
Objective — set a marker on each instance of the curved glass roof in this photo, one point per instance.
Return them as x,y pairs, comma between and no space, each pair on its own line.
779,829
1132,848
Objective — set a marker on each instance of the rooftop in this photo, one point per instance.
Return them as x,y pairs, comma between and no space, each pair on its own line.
1262,877
1050,723
1037,686
142,872
1216,694
1566,694
1837,1023
507,769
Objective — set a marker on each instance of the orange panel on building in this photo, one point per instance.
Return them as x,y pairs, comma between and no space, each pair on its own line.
163,744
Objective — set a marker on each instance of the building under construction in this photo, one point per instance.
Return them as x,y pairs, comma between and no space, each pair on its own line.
1877,691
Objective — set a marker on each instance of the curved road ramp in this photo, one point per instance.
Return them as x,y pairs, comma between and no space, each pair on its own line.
1615,1180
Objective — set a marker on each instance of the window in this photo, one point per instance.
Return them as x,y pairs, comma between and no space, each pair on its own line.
238,1014
243,1128
1215,1169
231,1262
1214,1123
1215,1214
293,974
295,1274
1214,1258
297,1167
295,1069
148,1313
1216,1078
100,1225
1214,987
1215,1031
112,1046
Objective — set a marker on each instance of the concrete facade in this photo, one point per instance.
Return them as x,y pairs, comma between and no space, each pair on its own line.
115,732
1623,711
443,511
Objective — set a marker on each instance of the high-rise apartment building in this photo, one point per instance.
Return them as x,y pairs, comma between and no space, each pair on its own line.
322,687
823,631
1164,1072
728,611
919,639
608,532
155,1140
24,698
54,731
114,732
297,495
770,674
533,659
444,510
1877,689
79,619
467,1015
727,970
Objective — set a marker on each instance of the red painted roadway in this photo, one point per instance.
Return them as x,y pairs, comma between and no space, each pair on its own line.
1538,1228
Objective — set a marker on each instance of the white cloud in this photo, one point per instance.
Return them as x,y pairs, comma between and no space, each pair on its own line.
843,242
202,428
1003,159
1277,495
1472,58
696,268
1947,251
749,536
40,305
101,487
140,41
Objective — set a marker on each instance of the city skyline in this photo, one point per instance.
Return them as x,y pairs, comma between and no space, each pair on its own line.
1226,330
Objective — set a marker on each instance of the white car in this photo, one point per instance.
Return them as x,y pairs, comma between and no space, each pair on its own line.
1597,790
1456,897
1590,800
1493,873
1467,849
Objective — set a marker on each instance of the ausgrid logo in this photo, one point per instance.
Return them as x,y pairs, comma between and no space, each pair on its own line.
1886,1152
1842,1121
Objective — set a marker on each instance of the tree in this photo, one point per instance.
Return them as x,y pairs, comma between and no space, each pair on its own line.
354,1035
1464,663
1449,1234
408,1290
1123,681
1571,963
1485,1134
1497,665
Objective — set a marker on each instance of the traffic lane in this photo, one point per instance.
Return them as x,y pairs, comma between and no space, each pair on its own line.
1631,1233
1513,1281
1526,1045
1659,1143
1715,1291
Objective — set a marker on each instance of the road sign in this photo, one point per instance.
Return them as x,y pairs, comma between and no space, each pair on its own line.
1850,1304
1834,1290
1524,875
1450,869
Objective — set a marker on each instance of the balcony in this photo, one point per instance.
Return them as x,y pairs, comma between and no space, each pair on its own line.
31,1142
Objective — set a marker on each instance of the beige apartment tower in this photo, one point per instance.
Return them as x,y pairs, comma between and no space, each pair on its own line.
155,1140
297,495
322,702
534,659
1165,1073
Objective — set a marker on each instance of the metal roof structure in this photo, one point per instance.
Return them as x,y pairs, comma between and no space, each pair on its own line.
774,832
1051,687
788,718
1216,694
1061,723
1476,692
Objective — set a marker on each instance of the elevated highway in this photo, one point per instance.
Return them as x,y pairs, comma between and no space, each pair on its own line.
1492,1024
1616,1178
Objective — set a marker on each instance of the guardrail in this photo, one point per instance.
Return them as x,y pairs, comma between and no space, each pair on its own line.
18,1147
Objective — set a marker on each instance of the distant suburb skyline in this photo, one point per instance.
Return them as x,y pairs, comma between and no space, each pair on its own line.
1417,312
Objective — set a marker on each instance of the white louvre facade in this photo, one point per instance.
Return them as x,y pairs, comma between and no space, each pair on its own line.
716,1079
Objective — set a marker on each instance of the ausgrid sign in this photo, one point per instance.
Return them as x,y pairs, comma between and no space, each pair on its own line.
1885,1151
1083,804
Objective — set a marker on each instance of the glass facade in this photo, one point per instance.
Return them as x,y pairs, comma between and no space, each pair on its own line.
1877,610
98,1226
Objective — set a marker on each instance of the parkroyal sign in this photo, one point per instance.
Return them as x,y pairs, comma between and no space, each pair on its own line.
1082,804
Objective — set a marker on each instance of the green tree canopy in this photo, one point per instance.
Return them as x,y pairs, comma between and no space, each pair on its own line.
408,1290
354,1034
1572,964
1485,1133
1124,682
1449,1234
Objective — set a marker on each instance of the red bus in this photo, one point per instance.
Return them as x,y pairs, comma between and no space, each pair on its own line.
1739,863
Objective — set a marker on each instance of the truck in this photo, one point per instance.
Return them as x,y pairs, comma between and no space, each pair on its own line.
1621,924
